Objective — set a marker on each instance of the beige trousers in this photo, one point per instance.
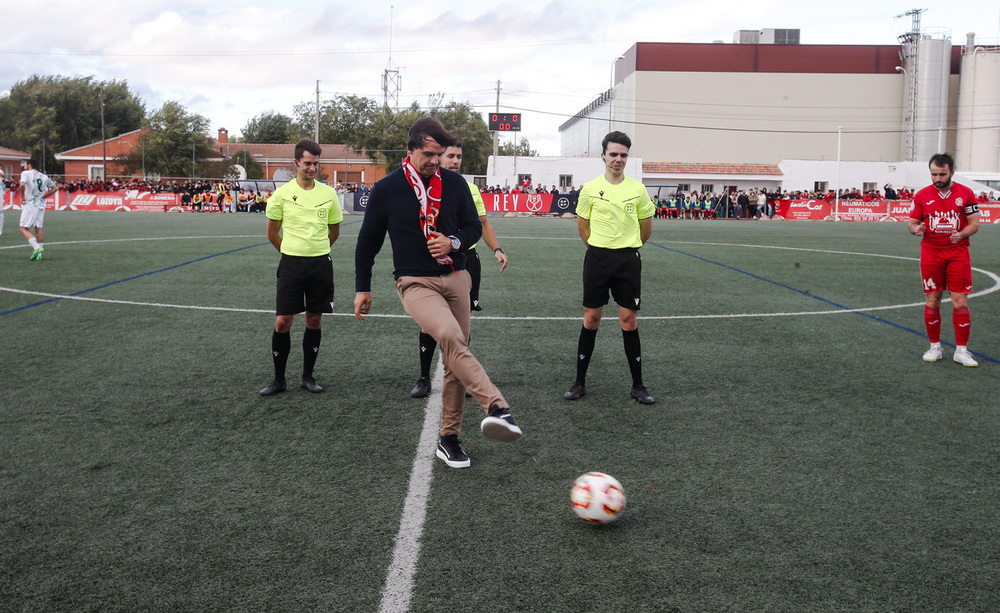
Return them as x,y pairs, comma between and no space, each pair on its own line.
441,307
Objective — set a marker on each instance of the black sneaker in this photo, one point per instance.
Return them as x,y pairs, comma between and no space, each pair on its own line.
308,383
274,387
641,394
500,425
450,450
422,388
575,391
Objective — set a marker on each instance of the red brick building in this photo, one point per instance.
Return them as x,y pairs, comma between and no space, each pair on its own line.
340,163
10,162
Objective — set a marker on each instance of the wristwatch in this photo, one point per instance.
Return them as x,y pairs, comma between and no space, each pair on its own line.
455,243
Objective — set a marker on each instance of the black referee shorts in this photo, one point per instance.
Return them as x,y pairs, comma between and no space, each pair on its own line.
618,271
304,284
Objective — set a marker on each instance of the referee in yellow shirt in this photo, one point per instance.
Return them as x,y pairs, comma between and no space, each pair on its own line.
615,219
303,221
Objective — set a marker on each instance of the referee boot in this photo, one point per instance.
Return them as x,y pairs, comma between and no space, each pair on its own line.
641,395
422,388
575,391
274,387
308,383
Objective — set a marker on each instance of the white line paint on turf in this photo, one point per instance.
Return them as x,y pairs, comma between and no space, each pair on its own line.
398,589
127,240
989,290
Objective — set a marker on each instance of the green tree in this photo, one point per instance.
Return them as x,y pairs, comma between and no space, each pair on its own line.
55,114
468,125
173,140
523,149
269,128
340,119
252,166
379,132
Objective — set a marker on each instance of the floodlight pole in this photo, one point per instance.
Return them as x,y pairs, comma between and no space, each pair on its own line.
836,200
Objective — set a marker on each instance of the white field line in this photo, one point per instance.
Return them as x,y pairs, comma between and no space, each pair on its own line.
995,287
398,589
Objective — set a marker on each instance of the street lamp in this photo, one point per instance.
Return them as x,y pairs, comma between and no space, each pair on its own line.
611,91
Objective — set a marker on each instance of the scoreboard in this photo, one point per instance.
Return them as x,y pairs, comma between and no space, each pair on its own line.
504,122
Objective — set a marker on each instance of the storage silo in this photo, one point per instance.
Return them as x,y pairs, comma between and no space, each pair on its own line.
978,143
933,75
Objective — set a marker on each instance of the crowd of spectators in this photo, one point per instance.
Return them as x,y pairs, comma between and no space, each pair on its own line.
227,196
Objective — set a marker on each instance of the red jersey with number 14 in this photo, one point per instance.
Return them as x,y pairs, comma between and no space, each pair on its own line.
944,213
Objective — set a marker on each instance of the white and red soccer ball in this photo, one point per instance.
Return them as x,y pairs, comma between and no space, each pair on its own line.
597,498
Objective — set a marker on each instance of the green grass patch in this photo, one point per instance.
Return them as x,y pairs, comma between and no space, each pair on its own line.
798,458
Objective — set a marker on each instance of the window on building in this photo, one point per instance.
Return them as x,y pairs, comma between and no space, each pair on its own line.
707,188
869,186
97,172
684,187
565,182
821,186
524,180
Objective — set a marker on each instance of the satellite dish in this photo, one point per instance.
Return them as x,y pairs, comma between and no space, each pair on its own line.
237,172
283,175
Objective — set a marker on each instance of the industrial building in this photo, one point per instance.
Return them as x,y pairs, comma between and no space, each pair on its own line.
719,114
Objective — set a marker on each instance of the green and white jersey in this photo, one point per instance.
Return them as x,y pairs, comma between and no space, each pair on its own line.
477,197
305,217
614,212
35,186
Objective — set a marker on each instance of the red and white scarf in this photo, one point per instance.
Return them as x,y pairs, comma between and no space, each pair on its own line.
430,201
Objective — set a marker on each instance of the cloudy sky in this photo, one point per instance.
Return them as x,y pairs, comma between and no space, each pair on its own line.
232,60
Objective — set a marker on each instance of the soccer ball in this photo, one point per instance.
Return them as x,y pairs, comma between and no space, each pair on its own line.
597,498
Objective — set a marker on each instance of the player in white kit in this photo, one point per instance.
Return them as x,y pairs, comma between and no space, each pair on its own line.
35,188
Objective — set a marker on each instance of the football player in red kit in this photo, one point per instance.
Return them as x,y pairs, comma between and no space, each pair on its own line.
945,215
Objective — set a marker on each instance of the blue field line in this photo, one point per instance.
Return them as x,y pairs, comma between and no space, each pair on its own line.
145,274
815,297
132,278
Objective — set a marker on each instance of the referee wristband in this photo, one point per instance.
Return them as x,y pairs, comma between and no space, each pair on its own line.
498,249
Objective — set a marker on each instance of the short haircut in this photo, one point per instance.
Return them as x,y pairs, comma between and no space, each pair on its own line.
942,160
31,162
305,145
616,137
456,142
428,127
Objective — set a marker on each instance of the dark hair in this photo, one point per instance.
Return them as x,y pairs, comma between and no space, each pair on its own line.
32,162
942,160
305,145
428,127
616,137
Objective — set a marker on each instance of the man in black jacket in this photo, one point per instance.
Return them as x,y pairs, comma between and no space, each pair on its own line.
431,220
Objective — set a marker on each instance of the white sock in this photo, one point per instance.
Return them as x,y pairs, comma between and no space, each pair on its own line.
33,242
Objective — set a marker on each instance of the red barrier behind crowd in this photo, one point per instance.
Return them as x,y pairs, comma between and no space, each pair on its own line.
537,204
858,210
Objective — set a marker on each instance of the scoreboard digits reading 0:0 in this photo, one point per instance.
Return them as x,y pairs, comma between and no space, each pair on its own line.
505,122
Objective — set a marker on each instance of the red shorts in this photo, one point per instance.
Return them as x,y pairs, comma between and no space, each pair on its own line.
944,268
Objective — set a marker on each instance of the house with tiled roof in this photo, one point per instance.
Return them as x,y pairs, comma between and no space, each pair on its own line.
10,162
340,163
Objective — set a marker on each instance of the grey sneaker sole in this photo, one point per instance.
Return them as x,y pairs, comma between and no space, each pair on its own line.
452,463
499,430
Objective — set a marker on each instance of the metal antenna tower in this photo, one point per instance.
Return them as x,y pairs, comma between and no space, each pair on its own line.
390,77
911,45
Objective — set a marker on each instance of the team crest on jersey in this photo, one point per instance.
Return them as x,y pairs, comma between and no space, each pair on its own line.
323,213
958,202
630,208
